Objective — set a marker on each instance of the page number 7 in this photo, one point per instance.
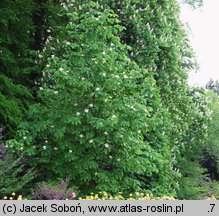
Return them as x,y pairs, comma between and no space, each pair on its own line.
212,207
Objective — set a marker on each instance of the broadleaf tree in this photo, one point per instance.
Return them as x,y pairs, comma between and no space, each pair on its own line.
93,119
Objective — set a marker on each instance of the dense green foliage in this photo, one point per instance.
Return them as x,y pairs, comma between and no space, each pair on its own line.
24,28
193,179
112,109
15,62
159,44
14,177
213,138
101,134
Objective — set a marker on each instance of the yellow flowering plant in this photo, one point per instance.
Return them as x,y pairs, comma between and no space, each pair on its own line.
13,196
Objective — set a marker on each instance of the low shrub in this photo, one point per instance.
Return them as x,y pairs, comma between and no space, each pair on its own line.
14,173
45,191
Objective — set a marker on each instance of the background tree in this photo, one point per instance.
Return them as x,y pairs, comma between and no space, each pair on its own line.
193,183
25,26
211,152
213,85
193,3
15,61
